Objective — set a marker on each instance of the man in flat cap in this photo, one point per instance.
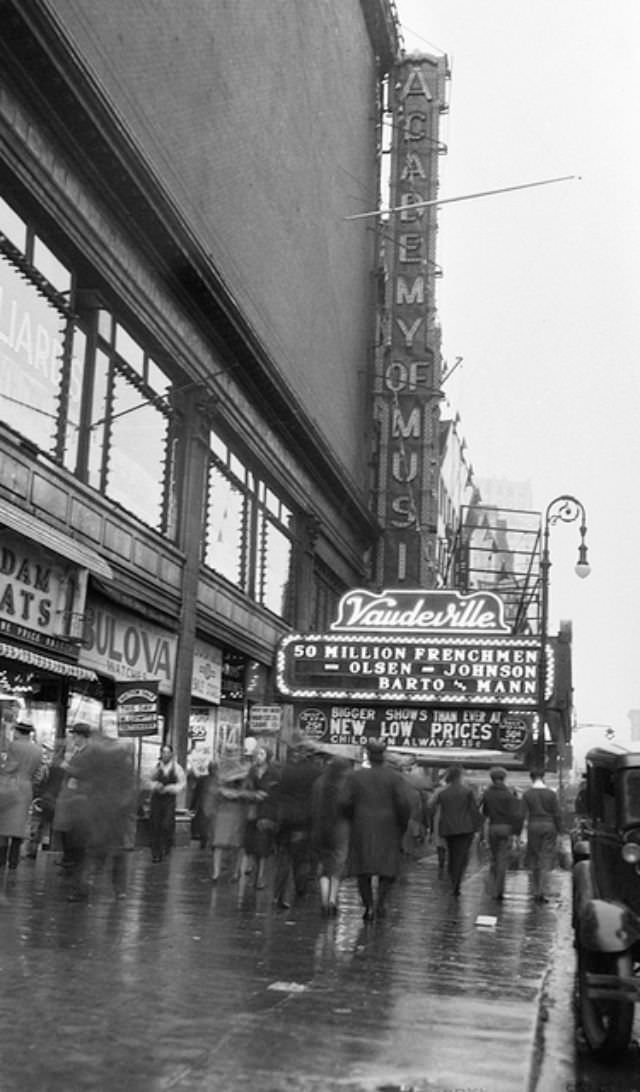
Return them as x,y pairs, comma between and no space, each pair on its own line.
377,801
500,808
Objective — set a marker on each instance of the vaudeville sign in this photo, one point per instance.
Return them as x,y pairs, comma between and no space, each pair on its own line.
416,647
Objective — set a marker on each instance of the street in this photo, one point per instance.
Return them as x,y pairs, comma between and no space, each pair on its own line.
191,987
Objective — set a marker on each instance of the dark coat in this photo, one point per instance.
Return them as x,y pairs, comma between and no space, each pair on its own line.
459,812
293,793
379,806
96,806
502,807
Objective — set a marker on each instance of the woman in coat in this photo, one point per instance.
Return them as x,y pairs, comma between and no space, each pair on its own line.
260,829
378,804
330,831
21,766
227,804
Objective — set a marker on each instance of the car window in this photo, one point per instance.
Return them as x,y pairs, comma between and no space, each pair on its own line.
631,797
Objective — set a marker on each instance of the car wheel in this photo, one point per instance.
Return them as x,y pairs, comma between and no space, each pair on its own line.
607,1024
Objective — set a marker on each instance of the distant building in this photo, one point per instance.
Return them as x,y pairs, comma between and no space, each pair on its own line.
503,493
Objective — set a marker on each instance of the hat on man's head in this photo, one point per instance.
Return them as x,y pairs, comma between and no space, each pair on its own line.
498,773
23,726
376,746
79,729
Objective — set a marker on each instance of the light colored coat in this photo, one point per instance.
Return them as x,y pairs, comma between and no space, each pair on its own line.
21,766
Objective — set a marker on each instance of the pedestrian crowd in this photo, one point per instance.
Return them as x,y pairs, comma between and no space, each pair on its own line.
296,826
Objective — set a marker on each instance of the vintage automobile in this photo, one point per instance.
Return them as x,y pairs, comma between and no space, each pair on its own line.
606,900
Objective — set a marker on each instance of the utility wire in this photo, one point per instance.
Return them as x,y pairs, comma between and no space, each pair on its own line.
462,197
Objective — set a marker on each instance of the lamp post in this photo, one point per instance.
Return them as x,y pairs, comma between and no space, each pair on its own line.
564,509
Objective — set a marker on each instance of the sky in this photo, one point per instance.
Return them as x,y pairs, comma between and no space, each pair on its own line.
540,292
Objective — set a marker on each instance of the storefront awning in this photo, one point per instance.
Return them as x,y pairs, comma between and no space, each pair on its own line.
23,523
45,663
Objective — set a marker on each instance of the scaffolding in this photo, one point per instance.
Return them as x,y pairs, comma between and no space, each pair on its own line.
498,550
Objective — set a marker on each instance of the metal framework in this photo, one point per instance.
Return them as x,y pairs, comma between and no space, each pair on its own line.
498,550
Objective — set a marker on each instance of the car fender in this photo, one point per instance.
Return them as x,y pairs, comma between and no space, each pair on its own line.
607,926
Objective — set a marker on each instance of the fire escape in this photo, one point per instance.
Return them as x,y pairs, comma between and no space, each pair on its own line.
498,550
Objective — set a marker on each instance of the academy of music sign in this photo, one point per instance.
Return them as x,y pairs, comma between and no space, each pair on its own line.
415,647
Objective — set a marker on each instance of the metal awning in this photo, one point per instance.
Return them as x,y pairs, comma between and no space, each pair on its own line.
16,519
45,663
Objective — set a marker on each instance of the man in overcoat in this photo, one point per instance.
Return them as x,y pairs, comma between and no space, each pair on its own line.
377,801
20,766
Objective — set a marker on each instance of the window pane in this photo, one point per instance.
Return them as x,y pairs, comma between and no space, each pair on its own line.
129,349
225,525
98,420
137,454
156,378
31,336
276,568
12,226
56,273
237,467
75,398
217,446
105,325
273,503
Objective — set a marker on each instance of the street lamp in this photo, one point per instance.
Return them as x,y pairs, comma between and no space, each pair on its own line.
564,509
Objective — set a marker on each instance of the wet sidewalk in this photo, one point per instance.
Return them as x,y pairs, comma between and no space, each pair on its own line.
190,987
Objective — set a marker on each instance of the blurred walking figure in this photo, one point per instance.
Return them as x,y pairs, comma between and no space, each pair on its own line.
112,812
168,779
379,807
330,831
460,818
544,823
294,852
20,767
71,804
96,809
198,770
227,804
500,807
260,831
436,834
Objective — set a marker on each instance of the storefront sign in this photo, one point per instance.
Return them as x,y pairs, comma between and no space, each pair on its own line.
206,681
137,707
125,646
41,596
202,726
406,727
265,719
485,671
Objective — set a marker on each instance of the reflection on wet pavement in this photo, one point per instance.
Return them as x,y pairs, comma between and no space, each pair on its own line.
190,987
